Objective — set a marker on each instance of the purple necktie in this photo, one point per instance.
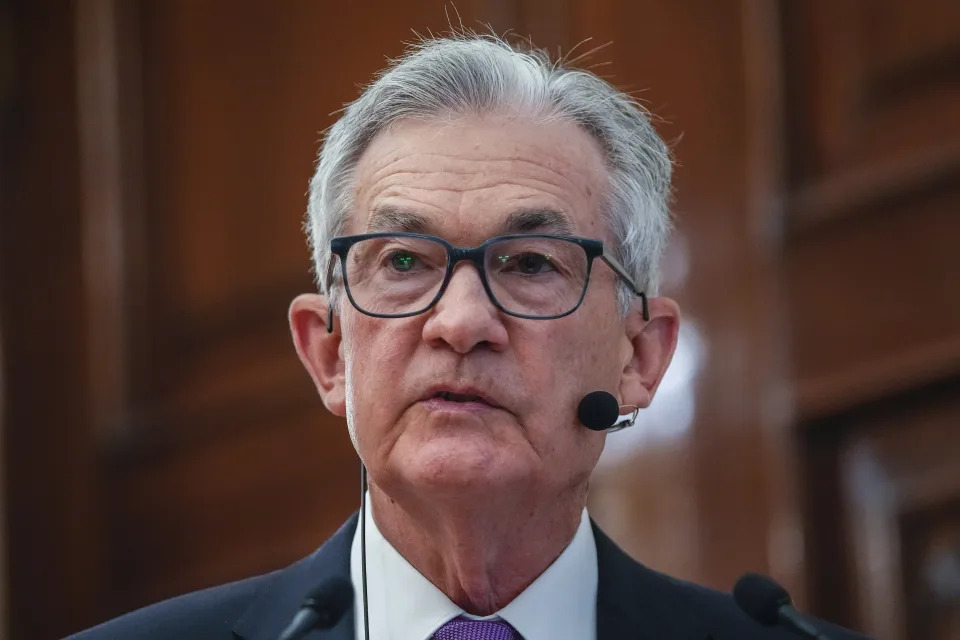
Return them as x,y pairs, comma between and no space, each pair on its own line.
466,629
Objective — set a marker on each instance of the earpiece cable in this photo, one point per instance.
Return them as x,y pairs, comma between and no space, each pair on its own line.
363,548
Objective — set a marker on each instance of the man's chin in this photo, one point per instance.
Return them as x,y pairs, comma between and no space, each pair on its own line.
460,473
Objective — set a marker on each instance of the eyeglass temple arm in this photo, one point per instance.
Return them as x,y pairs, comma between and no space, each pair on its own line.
329,301
614,264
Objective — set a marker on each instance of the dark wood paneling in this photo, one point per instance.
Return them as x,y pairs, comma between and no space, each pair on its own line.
869,298
871,197
871,264
871,82
53,521
883,488
900,494
227,507
931,552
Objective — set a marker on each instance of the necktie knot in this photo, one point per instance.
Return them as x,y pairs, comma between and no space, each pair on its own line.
466,629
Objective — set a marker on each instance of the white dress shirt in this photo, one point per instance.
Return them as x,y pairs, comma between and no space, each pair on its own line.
561,604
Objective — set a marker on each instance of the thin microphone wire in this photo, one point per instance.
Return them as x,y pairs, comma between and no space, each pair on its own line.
363,548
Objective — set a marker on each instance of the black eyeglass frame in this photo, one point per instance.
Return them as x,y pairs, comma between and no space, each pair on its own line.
341,245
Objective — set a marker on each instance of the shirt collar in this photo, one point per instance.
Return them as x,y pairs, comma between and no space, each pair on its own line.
560,604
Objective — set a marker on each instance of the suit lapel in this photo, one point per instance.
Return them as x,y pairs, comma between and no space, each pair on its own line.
633,602
617,611
637,603
281,596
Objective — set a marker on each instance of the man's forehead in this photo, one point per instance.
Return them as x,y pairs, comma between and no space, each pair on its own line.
498,175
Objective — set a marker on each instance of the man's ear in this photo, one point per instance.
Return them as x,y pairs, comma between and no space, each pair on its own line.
648,349
319,350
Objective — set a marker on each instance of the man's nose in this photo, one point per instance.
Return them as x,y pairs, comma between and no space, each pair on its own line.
465,317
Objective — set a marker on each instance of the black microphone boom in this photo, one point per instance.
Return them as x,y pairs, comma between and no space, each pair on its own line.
769,604
598,411
321,609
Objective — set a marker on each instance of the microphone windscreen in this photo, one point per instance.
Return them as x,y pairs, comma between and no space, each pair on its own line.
598,410
760,597
330,600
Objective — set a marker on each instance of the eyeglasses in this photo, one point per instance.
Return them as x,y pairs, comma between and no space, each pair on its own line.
535,276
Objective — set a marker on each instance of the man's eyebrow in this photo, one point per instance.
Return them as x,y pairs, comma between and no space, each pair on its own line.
540,220
389,218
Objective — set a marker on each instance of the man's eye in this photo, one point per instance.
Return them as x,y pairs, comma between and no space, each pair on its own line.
527,263
402,260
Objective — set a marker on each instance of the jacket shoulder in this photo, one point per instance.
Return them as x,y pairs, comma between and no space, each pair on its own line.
208,614
636,601
258,607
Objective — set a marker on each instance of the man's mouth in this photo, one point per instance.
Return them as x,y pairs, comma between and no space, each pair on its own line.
460,397
466,399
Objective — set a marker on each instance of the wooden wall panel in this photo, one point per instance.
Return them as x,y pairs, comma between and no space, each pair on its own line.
873,301
871,83
931,543
901,493
8,52
229,506
871,230
52,504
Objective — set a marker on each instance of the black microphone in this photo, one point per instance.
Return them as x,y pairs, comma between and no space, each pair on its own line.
769,604
321,609
598,411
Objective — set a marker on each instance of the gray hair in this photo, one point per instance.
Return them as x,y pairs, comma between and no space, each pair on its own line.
473,74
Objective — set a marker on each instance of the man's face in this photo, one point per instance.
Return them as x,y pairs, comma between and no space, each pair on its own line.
461,181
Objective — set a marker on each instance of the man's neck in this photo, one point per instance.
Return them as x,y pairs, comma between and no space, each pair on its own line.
481,554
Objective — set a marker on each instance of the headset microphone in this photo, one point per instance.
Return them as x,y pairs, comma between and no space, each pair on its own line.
598,411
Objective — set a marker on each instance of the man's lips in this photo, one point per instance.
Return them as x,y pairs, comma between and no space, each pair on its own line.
457,397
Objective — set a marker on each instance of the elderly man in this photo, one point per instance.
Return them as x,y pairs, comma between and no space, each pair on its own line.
486,227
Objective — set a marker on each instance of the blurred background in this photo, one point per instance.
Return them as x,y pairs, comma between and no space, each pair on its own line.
159,434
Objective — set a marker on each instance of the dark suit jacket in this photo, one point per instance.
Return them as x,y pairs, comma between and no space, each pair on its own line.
633,602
